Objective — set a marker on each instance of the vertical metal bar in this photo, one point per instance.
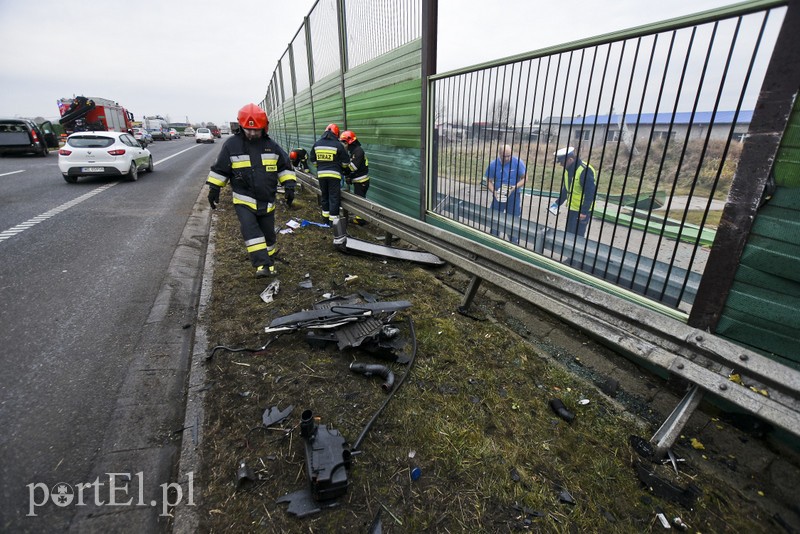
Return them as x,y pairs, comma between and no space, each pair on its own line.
310,65
342,32
430,10
763,139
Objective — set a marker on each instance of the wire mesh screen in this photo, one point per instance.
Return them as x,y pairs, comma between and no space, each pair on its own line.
324,26
650,128
375,27
285,71
300,59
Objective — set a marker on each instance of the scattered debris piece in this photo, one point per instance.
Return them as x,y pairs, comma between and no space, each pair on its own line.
293,223
245,477
663,520
306,284
367,369
271,290
275,415
560,410
565,497
348,244
686,497
610,387
327,458
697,445
305,223
642,447
376,527
416,473
679,523
584,402
350,277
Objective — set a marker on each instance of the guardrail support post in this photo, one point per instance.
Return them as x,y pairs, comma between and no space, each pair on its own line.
665,436
472,288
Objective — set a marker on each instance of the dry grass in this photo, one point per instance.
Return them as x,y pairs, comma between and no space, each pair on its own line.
473,413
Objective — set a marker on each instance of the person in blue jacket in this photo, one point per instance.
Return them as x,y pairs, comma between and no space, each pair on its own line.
505,178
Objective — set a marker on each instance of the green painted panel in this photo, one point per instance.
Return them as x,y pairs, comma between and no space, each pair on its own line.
772,257
776,222
755,277
738,327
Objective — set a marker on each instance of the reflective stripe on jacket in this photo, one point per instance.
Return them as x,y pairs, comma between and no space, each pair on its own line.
359,165
330,156
575,193
253,169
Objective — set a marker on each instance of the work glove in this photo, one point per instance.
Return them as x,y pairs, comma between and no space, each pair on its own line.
289,195
213,196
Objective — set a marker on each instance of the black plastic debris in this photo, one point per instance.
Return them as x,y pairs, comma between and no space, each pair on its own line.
565,497
382,371
245,477
376,527
642,447
301,504
610,387
560,410
664,489
328,458
274,415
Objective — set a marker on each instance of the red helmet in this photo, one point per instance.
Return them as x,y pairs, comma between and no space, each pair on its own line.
293,155
253,117
333,128
348,137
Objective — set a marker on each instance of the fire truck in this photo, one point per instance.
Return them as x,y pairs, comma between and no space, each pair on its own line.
93,114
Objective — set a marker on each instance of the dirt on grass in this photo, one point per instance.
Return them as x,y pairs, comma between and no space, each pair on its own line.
469,441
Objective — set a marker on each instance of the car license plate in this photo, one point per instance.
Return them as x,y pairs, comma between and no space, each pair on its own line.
92,169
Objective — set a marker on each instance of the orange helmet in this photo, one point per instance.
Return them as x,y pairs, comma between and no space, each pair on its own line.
293,155
253,117
348,137
333,128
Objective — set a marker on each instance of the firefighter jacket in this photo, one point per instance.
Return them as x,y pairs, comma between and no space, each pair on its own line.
254,169
330,156
359,165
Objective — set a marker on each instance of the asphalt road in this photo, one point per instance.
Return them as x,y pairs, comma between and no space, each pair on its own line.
87,387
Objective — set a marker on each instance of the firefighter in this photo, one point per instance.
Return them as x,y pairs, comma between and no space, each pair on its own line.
331,159
254,164
299,158
357,172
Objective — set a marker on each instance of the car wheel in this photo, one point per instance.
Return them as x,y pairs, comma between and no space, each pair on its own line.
133,172
149,167
70,179
44,151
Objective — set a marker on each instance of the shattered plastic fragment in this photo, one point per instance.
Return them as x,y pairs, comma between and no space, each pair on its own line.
697,445
271,290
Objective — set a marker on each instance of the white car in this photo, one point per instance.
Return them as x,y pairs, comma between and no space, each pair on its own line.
188,132
203,135
103,154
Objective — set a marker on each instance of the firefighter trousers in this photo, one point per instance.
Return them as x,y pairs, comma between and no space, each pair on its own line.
258,232
330,197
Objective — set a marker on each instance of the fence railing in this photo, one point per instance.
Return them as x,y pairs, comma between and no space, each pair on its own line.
657,119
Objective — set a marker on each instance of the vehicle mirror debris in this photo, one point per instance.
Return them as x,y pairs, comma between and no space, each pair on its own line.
664,489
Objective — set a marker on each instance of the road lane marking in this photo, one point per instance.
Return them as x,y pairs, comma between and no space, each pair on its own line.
18,229
17,172
175,154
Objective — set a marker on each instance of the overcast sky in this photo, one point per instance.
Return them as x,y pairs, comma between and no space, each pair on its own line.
202,60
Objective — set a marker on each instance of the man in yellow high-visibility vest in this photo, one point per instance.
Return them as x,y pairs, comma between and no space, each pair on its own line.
578,190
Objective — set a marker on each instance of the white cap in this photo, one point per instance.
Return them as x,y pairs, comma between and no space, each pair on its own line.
565,152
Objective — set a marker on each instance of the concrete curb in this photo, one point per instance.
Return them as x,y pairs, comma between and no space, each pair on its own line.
187,515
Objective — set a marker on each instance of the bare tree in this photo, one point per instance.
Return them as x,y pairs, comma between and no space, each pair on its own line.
501,112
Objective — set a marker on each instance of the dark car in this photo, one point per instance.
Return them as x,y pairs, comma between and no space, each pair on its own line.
25,136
